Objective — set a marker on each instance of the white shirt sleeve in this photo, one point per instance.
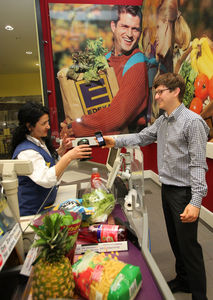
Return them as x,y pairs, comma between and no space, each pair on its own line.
42,174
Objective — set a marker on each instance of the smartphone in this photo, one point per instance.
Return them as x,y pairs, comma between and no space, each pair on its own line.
100,139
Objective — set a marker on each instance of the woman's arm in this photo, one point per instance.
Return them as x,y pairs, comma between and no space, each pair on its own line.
82,151
48,177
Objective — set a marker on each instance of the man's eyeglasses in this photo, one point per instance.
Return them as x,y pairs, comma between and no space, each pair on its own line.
160,92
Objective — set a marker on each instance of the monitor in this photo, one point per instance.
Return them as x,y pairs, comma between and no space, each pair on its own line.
113,154
113,164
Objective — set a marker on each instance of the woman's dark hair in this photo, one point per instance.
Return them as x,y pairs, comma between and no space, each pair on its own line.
30,113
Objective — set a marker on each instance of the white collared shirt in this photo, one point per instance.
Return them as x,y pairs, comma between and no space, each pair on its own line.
42,174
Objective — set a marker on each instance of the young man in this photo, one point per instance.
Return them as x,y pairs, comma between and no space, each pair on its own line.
181,137
129,106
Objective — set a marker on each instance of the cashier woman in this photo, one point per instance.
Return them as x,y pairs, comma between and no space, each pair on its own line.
30,142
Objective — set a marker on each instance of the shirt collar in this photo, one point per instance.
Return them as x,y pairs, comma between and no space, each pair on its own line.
38,143
35,141
175,114
123,54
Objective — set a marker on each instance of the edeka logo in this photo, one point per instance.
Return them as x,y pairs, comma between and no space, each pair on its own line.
95,95
93,110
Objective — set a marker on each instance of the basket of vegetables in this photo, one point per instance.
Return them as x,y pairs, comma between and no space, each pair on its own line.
89,84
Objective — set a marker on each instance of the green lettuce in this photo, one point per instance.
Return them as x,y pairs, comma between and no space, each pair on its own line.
102,201
89,62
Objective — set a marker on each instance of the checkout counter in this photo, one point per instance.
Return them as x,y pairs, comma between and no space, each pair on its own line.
129,210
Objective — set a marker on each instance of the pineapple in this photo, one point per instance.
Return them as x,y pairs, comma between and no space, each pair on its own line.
52,271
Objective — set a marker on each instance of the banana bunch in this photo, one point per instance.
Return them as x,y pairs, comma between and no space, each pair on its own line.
202,56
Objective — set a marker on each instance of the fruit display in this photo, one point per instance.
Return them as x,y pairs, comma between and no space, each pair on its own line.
197,71
202,56
196,105
52,271
201,85
211,88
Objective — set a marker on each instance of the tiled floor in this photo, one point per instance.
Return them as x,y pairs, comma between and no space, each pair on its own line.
160,246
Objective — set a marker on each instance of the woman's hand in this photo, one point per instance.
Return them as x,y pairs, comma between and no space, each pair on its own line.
67,142
81,151
65,145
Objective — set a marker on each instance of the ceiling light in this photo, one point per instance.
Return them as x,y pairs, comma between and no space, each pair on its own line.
37,64
8,27
29,52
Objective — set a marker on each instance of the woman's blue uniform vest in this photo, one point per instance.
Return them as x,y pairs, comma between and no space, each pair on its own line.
31,195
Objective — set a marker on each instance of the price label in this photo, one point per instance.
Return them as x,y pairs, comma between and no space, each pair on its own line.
8,243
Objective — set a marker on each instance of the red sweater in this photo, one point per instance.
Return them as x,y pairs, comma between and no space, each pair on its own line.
130,101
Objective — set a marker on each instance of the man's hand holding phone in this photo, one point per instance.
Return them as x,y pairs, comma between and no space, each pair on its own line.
104,141
100,139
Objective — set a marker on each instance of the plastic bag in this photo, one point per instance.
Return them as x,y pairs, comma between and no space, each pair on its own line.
100,199
99,277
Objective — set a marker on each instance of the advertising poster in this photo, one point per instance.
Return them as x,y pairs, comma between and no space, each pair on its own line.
97,86
179,36
174,36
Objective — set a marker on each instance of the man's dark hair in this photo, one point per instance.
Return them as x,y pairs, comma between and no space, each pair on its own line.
133,10
171,81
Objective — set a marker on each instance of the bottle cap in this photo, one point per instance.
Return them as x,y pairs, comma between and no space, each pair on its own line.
94,170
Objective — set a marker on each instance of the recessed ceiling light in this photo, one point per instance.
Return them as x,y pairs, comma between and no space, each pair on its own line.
8,27
37,64
28,52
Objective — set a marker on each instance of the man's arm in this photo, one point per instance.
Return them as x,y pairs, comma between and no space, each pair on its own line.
130,101
197,139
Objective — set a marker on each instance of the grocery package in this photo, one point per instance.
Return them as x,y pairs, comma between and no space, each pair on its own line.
75,205
100,277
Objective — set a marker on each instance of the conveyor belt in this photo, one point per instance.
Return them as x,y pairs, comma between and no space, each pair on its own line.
154,286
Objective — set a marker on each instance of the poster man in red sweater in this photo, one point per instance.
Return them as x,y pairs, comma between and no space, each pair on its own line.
129,106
